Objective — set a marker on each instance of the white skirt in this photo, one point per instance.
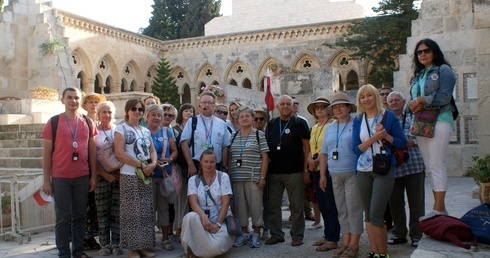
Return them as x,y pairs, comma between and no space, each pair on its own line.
201,242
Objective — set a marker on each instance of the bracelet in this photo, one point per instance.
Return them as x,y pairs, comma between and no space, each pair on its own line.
219,224
171,160
141,165
262,177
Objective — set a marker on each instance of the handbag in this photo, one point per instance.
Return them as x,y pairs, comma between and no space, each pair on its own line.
167,187
424,122
381,162
401,155
447,228
232,223
478,219
107,158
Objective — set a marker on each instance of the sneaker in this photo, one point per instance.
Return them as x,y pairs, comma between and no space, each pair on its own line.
241,240
383,255
396,241
265,235
415,242
174,238
432,214
255,242
315,226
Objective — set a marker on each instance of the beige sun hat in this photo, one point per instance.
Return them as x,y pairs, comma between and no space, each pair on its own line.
260,110
342,98
89,95
319,100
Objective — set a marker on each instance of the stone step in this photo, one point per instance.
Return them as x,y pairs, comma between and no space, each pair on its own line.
21,143
20,135
21,162
7,172
22,152
22,128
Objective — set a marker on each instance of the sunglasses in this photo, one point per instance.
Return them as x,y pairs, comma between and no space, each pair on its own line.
134,109
382,94
425,51
219,112
321,107
259,119
168,115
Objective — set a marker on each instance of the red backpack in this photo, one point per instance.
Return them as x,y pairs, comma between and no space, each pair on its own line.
447,228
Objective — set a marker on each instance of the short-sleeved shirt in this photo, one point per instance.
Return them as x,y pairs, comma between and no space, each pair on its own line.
210,131
340,134
415,164
217,190
249,151
290,157
62,165
137,144
317,134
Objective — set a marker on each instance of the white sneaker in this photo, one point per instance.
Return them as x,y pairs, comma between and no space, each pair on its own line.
315,226
255,242
241,240
432,214
265,235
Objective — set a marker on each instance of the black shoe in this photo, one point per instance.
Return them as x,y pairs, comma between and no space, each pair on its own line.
415,242
396,240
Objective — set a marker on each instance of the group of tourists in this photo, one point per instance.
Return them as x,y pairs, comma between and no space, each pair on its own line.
231,161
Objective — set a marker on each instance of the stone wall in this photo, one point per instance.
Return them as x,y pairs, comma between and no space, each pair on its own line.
461,28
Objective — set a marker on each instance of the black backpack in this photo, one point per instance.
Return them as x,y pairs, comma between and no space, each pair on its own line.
180,158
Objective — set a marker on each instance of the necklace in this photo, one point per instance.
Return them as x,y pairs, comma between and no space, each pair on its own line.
318,135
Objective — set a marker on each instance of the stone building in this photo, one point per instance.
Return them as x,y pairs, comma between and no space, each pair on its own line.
284,36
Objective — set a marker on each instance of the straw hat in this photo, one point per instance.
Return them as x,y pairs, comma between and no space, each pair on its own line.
319,100
342,98
98,96
260,110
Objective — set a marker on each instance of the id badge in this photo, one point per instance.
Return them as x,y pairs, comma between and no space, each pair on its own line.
238,162
74,156
210,147
382,150
335,155
278,147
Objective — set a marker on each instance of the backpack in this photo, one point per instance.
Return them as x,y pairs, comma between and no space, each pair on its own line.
478,219
447,228
181,161
256,136
54,127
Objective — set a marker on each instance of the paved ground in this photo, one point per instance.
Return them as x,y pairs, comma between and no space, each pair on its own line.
459,200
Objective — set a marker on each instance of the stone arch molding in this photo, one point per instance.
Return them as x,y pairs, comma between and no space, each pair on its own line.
239,72
344,64
181,78
132,74
106,67
306,62
149,76
81,64
207,74
271,63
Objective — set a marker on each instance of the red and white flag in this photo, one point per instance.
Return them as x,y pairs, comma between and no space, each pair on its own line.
268,99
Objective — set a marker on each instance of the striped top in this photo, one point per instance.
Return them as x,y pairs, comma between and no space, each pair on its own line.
251,159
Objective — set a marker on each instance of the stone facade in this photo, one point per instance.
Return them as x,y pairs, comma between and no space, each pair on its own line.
122,64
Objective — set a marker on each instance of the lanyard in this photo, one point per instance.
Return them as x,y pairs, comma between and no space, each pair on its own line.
107,138
281,131
318,136
209,134
341,133
73,133
242,144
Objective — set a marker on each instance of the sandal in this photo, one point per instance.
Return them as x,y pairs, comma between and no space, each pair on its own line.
320,242
116,250
351,253
327,246
105,251
339,252
167,245
90,244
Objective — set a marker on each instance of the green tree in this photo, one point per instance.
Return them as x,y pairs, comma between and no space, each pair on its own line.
164,85
198,14
171,17
381,38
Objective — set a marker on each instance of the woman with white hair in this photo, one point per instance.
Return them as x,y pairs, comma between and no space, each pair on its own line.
107,191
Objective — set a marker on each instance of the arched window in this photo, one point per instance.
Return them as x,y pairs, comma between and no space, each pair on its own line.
247,84
352,81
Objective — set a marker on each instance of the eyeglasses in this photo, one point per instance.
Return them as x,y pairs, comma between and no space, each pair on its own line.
382,94
259,119
168,115
219,112
207,103
425,51
134,109
319,107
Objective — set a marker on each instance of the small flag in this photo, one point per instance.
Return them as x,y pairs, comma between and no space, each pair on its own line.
269,99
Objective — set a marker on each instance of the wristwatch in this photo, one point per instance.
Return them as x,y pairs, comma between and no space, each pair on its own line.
262,177
219,224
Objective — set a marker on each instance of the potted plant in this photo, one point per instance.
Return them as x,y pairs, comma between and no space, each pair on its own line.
480,171
43,92
6,209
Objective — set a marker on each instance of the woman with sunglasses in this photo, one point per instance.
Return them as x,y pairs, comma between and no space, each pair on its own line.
133,146
166,149
433,85
323,201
